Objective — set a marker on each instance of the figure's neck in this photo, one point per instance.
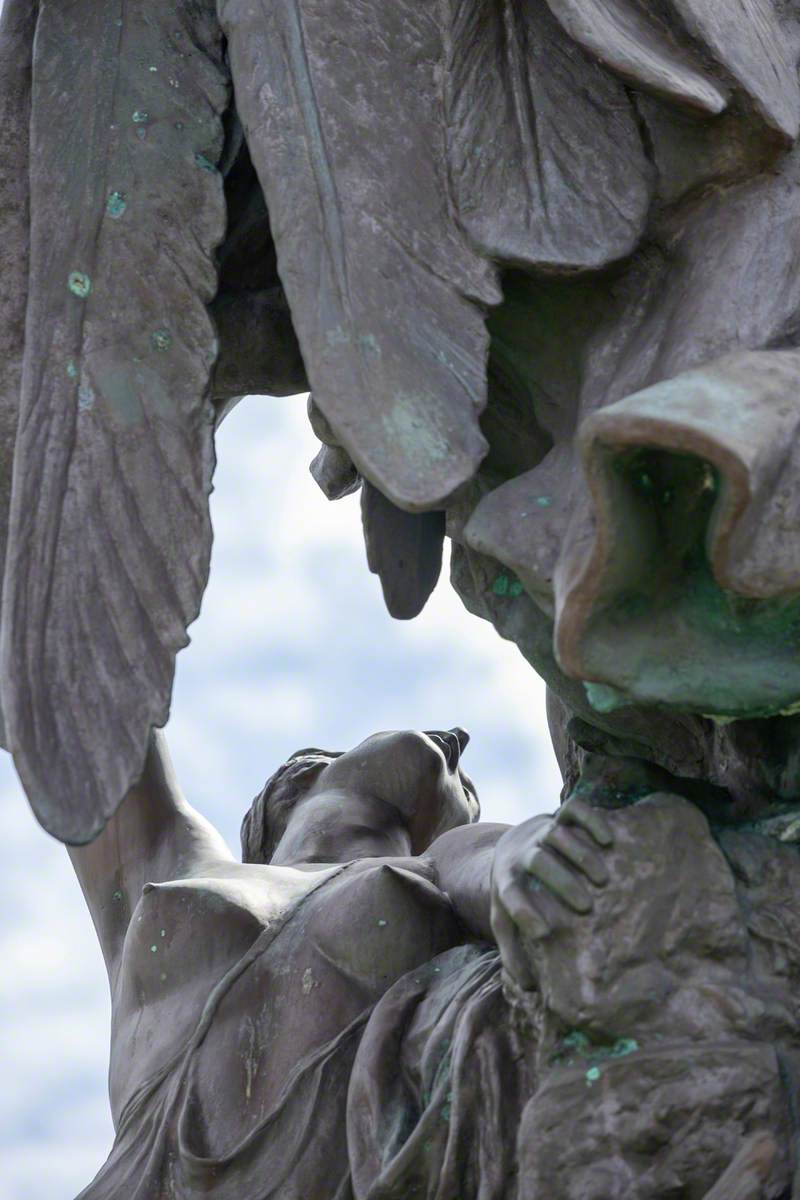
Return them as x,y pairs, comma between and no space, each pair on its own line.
337,826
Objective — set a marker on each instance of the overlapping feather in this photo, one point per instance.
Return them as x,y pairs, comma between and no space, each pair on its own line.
109,534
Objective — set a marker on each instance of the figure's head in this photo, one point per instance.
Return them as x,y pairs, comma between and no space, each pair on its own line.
393,794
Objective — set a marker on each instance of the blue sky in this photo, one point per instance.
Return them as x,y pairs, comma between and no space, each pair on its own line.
293,648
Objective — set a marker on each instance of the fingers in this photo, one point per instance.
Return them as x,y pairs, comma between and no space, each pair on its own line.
519,903
542,868
591,820
559,879
576,851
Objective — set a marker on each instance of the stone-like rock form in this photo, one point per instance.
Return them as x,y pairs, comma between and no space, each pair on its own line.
655,1044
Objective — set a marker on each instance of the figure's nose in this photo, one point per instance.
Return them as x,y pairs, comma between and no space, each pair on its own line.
452,741
462,737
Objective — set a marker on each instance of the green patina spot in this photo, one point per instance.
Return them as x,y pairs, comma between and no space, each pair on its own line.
592,1075
576,1041
85,397
368,343
79,284
544,501
337,336
116,205
383,923
154,949
72,370
576,1047
414,425
161,339
604,698
140,116
205,164
507,585
163,933
117,896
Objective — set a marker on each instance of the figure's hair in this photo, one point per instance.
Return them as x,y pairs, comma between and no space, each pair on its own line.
265,821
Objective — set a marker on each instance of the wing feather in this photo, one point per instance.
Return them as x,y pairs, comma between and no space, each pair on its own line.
342,109
17,26
110,535
547,164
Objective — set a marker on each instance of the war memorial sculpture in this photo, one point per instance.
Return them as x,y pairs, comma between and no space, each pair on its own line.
538,262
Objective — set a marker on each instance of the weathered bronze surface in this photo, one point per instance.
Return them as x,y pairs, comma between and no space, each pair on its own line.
388,998
539,263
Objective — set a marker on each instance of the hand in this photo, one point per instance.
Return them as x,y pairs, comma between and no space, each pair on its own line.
541,869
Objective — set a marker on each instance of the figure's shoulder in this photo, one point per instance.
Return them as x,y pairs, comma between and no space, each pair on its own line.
382,917
190,930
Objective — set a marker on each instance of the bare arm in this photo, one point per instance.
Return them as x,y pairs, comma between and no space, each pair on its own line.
505,879
463,860
154,836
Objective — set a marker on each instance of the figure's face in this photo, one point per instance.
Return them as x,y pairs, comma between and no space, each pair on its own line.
416,773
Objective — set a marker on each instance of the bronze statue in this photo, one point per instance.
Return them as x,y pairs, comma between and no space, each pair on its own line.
538,262
541,260
383,981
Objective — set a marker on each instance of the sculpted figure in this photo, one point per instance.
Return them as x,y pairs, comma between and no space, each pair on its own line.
538,261
241,990
386,999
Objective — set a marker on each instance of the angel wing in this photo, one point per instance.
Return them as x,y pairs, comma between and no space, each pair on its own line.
109,534
702,53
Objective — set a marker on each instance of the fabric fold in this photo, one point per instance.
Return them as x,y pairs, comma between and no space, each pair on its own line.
682,585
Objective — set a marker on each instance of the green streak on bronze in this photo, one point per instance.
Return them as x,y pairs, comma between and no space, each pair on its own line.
604,698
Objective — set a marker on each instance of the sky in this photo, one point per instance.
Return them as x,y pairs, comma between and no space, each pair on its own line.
293,648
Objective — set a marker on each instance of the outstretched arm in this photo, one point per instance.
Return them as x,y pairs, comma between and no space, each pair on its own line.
154,836
544,871
507,881
463,860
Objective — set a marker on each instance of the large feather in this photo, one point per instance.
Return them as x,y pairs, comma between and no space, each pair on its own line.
547,163
341,105
630,37
17,25
666,48
109,535
746,38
